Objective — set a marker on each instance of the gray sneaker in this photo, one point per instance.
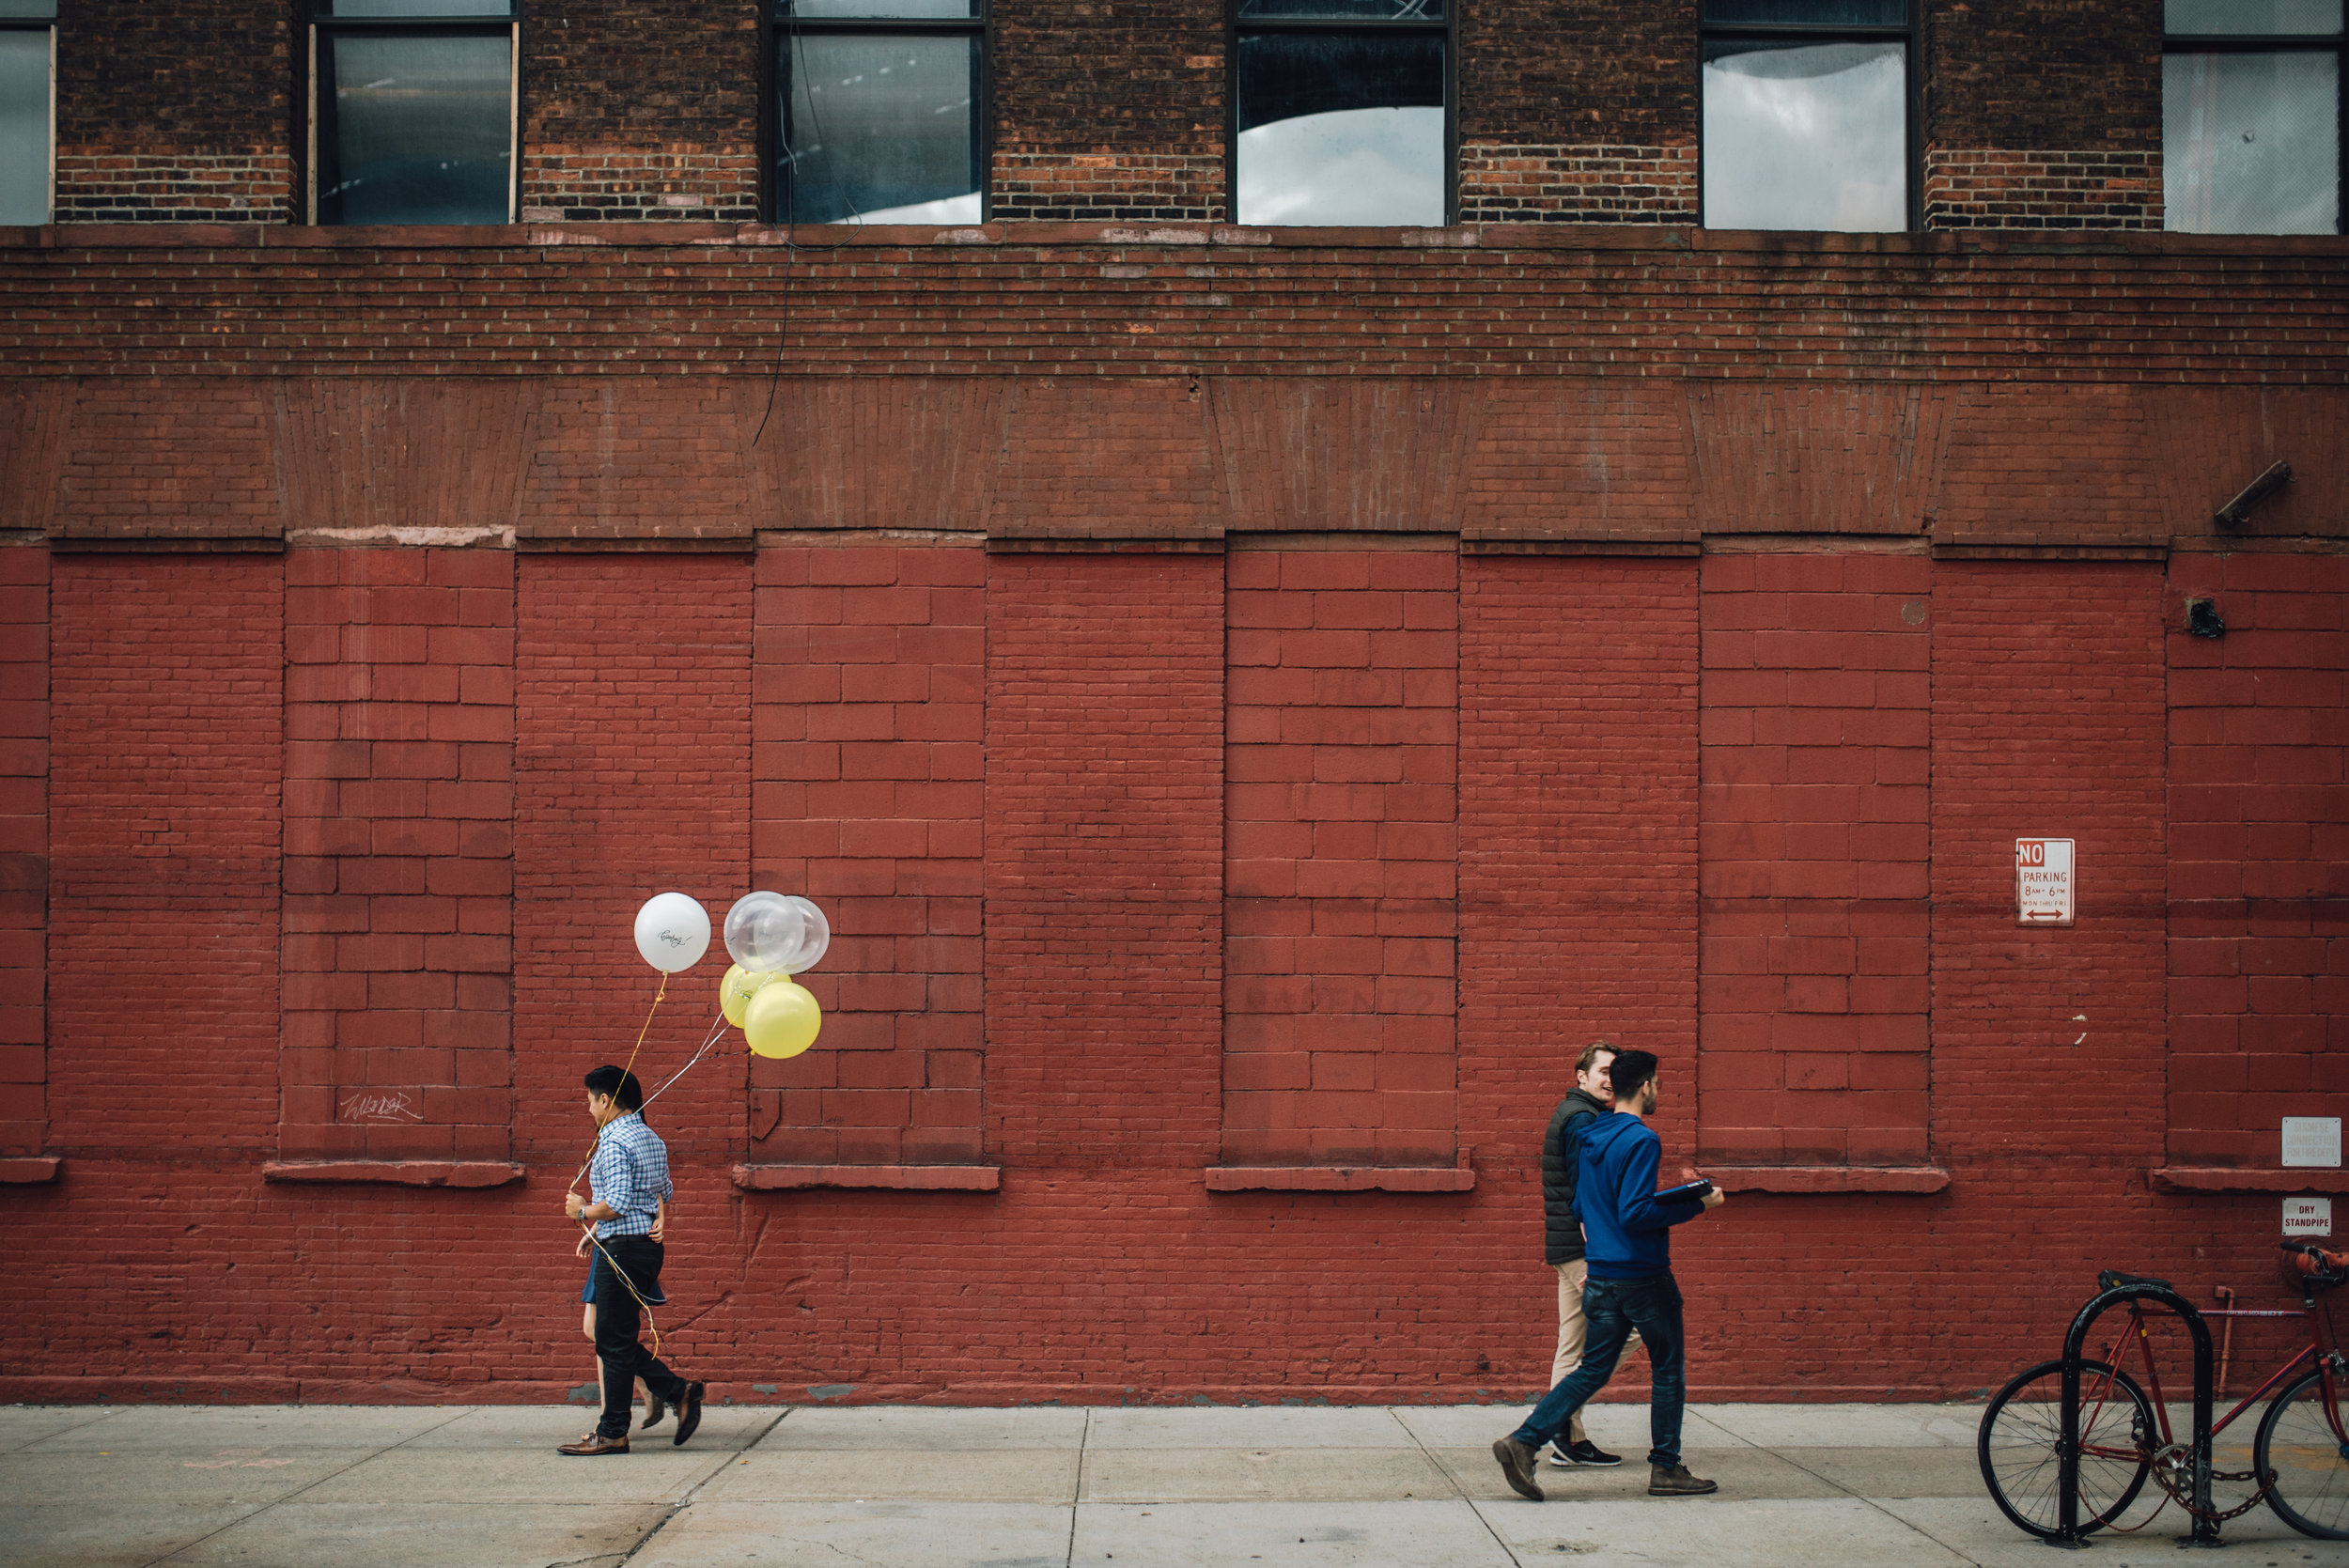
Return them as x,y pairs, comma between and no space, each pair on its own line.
1517,1464
1673,1481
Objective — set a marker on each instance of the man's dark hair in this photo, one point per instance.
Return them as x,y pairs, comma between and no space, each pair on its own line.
1629,1071
626,1093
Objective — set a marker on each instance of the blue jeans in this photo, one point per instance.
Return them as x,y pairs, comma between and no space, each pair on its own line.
1615,1308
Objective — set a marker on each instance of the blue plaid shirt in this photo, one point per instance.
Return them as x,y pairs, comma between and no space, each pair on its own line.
631,1173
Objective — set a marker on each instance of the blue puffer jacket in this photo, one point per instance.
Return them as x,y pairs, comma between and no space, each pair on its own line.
1626,1231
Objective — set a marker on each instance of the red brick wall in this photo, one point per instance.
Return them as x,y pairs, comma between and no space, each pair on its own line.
2259,823
398,843
660,704
24,731
1578,724
869,723
1341,768
1817,720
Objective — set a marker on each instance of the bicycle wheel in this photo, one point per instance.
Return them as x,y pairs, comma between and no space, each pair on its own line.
2019,1432
2311,1463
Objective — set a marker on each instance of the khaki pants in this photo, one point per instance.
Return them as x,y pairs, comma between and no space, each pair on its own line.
1571,1327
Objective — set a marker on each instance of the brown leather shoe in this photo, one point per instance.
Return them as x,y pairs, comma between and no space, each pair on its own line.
592,1444
655,1412
1516,1464
1673,1481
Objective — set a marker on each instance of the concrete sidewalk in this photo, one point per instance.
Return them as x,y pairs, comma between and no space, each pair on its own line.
474,1487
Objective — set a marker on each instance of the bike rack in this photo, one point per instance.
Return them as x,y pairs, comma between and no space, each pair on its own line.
2068,1533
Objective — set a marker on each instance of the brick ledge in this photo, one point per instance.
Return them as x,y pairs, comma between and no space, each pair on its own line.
1829,1178
910,1178
29,1170
1338,1178
394,1173
2228,1178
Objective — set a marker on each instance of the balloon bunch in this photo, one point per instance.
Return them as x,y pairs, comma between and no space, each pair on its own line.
770,936
773,937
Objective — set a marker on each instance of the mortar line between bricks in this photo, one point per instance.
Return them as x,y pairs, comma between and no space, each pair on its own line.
693,1491
1783,1454
279,1502
1459,1489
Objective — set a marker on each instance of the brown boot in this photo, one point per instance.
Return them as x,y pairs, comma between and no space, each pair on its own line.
1673,1481
1516,1464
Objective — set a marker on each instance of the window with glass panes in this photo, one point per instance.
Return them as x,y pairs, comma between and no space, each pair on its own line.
1340,112
879,110
27,112
2250,116
1810,118
411,112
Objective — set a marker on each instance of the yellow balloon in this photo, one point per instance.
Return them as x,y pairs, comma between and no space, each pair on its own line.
782,1019
735,991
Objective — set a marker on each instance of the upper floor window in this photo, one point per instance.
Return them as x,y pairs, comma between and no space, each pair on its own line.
1810,118
27,115
411,112
879,110
2250,116
1340,112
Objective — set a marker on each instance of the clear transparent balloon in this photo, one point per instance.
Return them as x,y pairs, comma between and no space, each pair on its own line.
815,938
764,930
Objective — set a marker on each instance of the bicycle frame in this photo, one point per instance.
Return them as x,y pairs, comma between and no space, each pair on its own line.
2318,1323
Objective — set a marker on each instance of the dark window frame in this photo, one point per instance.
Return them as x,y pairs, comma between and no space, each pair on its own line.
2335,45
48,26
1447,29
318,114
778,22
1910,34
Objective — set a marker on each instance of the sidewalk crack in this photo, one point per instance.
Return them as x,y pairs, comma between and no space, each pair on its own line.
693,1491
279,1502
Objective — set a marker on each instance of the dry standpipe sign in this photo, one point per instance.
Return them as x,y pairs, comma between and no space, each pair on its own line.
2042,881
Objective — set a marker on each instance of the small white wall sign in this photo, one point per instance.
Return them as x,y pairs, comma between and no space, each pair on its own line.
2312,1140
2308,1217
2042,881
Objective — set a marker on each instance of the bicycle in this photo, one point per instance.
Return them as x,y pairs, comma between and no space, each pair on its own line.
2300,1457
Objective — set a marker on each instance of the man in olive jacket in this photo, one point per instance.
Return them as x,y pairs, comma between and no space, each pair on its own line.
1562,1234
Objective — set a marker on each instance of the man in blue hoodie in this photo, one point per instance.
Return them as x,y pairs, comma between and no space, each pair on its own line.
1628,1241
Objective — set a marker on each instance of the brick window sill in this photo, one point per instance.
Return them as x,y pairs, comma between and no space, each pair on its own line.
1829,1178
30,1171
1338,1178
908,1178
2228,1178
394,1173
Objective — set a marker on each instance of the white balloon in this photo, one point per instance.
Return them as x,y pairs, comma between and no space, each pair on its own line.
762,930
817,940
672,931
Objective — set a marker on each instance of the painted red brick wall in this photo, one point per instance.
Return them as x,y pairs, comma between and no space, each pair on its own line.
1341,797
1816,734
649,700
2259,821
868,725
24,731
398,844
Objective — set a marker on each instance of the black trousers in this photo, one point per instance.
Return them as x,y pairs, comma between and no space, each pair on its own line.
618,1318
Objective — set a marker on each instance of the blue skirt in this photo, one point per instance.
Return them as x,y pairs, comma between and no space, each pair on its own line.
653,1297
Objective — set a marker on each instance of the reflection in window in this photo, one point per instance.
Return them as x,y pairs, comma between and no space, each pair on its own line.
880,112
1341,113
415,113
24,109
1810,137
1806,114
2251,112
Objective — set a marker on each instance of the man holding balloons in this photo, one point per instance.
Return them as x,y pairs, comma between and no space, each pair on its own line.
770,938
